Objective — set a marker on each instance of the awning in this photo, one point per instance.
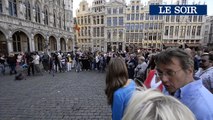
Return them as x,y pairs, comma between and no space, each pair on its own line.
171,44
193,44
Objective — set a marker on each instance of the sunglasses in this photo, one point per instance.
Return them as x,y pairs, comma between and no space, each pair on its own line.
203,60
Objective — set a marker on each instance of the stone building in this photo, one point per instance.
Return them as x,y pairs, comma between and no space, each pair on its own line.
36,25
143,30
208,32
115,25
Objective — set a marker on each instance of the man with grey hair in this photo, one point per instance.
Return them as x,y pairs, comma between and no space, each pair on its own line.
140,70
175,68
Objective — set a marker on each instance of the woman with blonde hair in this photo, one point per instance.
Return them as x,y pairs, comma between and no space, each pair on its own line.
153,105
119,88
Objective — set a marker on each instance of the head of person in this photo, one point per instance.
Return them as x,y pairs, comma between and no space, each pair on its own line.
175,68
153,105
116,77
141,59
206,60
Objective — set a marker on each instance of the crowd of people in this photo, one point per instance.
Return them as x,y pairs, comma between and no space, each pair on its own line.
182,78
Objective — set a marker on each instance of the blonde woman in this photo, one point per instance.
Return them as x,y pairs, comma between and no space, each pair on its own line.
153,105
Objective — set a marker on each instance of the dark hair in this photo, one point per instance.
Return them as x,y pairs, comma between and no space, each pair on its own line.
116,77
208,54
166,56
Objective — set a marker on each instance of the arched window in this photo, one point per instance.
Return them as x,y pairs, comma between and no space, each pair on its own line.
27,11
46,21
37,16
54,17
1,6
40,43
16,43
60,25
12,8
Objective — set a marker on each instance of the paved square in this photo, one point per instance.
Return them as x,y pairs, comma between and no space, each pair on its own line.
69,96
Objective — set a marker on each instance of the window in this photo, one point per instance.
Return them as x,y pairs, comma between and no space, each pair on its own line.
166,30
102,19
120,10
150,36
190,18
114,10
40,43
127,27
54,17
200,18
195,18
98,31
37,16
137,8
128,16
146,26
188,30
137,16
132,16
109,21
193,30
142,16
83,8
102,31
60,24
1,6
27,11
182,31
147,16
171,30
136,27
120,33
108,34
177,18
172,18
121,21
115,21
16,43
176,30
198,30
167,18
12,8
133,8
109,10
141,27
115,33
46,21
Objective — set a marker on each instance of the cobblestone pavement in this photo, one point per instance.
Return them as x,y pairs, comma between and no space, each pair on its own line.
69,96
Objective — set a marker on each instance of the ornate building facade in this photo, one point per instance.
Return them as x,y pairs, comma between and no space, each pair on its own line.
115,25
36,25
132,25
143,30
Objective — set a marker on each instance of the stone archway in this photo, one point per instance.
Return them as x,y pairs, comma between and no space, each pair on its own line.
3,44
39,42
20,42
52,43
63,44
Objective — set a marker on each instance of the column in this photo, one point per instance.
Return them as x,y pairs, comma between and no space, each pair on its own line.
9,44
32,43
58,44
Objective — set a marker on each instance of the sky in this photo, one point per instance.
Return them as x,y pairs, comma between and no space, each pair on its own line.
209,4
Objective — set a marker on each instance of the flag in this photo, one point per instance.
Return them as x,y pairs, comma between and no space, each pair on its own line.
76,26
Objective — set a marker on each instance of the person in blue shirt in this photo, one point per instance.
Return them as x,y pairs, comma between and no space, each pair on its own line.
175,68
119,88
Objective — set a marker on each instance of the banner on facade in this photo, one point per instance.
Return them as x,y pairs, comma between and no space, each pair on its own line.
178,9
